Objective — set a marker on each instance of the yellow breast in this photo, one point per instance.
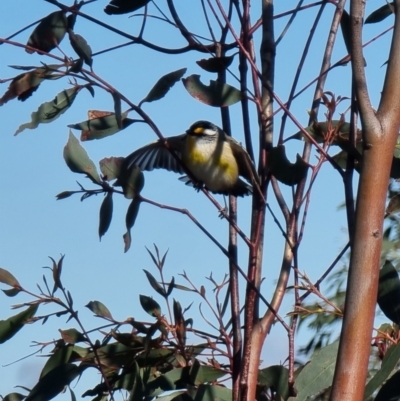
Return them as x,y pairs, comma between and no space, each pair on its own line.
212,163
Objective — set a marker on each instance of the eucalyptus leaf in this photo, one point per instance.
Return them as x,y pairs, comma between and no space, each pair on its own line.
12,325
124,6
78,160
163,85
49,33
50,111
216,94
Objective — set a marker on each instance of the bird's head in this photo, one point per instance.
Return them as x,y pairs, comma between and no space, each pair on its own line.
203,128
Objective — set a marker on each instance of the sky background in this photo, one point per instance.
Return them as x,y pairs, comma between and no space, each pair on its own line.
33,225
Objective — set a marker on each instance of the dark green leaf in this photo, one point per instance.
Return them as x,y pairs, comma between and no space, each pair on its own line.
130,219
110,167
71,19
11,326
150,306
390,391
124,6
390,361
204,374
49,33
207,392
61,356
64,195
77,67
78,160
275,377
215,64
319,132
7,278
284,171
54,382
131,180
101,125
317,375
50,111
163,85
154,283
180,326
380,14
81,47
72,336
140,327
99,309
117,108
12,292
171,286
389,292
106,212
217,94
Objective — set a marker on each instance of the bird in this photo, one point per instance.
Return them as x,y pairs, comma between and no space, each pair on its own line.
214,159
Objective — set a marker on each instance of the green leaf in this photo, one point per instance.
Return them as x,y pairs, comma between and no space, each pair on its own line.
217,94
176,396
49,33
319,131
78,160
81,47
131,180
11,326
61,356
110,167
380,14
53,383
284,171
154,283
390,361
117,108
102,124
389,292
275,377
215,64
99,309
207,392
50,111
106,212
163,85
130,219
23,85
317,375
65,194
72,336
150,306
12,292
390,391
124,6
7,278
71,20
171,286
204,374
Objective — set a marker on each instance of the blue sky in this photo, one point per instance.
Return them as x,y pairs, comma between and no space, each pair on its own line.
33,225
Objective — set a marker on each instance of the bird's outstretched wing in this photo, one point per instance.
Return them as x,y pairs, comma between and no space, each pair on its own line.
156,155
246,166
